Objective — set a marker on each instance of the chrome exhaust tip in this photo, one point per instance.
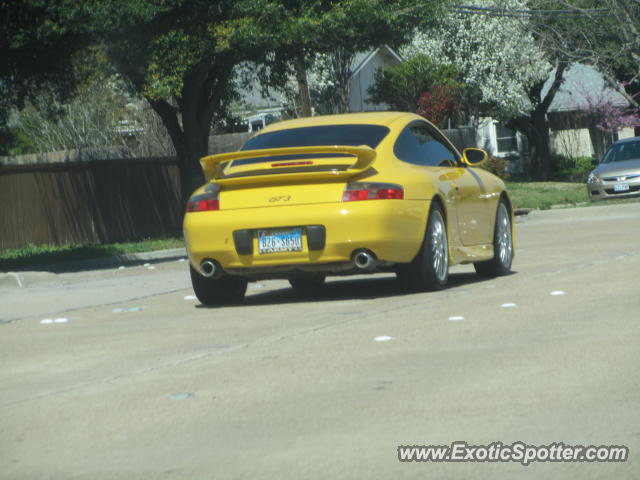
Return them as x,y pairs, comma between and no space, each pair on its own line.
210,268
364,260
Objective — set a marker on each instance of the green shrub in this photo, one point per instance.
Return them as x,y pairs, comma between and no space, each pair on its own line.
570,169
497,166
584,164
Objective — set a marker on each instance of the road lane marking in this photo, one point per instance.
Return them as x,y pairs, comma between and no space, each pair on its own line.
49,321
130,309
382,338
181,396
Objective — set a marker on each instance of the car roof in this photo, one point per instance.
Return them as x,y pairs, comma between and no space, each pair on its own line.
627,140
370,118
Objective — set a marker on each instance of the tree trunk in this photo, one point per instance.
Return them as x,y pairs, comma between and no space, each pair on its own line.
342,70
600,141
303,86
539,147
196,138
536,127
190,143
191,175
205,90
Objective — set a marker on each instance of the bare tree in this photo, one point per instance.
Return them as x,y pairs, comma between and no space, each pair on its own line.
601,33
604,34
101,120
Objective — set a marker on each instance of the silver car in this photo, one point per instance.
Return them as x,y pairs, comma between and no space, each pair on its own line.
618,175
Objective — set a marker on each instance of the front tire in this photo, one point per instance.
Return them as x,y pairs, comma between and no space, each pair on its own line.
429,270
502,259
226,289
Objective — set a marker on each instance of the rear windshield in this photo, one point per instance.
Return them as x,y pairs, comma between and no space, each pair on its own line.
350,135
622,151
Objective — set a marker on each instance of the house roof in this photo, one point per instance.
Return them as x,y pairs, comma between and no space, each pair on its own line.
583,86
361,59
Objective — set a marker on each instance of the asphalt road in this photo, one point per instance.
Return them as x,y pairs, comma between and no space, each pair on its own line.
119,374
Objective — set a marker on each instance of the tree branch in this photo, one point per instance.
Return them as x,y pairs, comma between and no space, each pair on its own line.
170,119
555,86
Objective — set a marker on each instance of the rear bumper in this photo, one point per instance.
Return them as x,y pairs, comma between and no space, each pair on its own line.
392,229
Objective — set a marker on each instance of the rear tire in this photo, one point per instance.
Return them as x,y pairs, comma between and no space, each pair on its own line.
429,270
500,264
307,281
226,289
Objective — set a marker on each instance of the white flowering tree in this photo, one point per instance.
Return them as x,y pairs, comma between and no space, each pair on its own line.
329,80
503,65
496,55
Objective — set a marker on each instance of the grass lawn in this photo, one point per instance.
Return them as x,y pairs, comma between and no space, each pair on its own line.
542,195
32,255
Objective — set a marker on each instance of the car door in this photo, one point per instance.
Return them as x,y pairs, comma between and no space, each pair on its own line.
463,188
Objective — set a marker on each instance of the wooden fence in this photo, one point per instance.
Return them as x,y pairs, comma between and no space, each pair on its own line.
89,201
462,138
67,197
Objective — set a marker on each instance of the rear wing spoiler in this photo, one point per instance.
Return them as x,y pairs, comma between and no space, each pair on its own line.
286,164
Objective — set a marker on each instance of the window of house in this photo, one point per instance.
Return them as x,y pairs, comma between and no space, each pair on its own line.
416,144
506,139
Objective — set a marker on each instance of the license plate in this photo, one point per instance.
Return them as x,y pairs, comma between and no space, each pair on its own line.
621,187
285,240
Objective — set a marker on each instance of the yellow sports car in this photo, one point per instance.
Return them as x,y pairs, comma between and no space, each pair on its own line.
342,195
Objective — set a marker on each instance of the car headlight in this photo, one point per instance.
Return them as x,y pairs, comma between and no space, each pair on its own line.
593,178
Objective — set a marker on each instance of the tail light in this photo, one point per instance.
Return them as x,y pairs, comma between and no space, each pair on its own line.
204,202
372,191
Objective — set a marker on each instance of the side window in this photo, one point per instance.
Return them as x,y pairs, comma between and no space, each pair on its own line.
417,145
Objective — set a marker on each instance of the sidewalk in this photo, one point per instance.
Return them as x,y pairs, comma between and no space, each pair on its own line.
24,278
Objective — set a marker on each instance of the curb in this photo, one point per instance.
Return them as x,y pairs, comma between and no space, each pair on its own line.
96,263
17,279
156,256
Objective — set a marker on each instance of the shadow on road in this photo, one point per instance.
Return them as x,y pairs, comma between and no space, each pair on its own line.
347,289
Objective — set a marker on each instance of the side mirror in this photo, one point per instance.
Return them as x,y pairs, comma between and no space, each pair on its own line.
595,161
474,156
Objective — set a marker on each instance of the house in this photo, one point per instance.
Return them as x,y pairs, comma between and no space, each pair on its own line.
258,110
572,133
364,68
